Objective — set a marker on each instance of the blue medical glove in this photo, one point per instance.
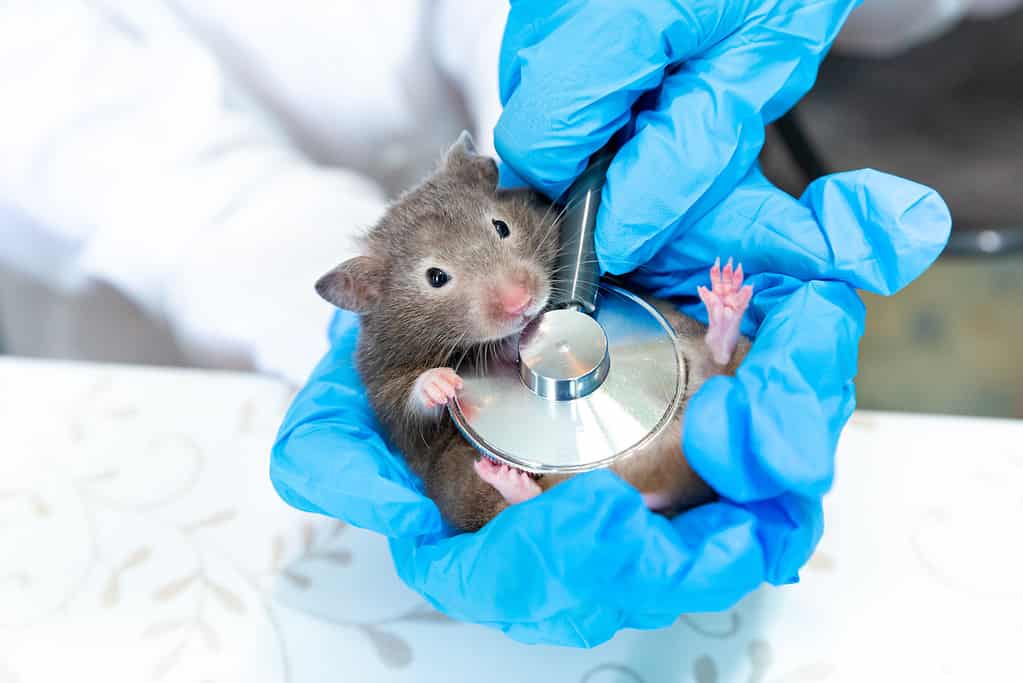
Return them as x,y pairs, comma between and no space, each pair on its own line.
586,558
695,80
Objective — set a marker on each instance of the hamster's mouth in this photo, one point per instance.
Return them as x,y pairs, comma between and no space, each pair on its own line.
519,323
511,328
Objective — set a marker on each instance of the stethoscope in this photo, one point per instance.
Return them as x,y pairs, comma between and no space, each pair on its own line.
597,376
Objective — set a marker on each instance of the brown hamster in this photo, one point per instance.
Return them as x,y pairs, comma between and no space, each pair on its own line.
451,274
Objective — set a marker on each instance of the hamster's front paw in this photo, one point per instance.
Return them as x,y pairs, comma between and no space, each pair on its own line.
726,302
435,388
514,485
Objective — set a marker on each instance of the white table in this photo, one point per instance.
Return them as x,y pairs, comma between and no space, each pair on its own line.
141,540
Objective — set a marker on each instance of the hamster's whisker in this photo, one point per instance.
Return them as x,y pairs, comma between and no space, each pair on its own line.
547,213
586,261
550,232
563,249
451,352
567,270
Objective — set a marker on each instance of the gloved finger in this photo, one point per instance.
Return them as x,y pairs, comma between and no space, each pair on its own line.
894,229
581,626
773,427
706,128
585,626
604,56
737,547
874,231
703,560
734,547
471,577
330,458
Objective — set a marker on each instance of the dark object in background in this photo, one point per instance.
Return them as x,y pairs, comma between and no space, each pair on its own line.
948,114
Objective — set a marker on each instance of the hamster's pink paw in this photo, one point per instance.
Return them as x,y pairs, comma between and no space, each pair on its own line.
657,500
514,485
726,302
435,387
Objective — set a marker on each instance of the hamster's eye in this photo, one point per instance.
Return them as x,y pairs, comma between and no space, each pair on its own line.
437,277
501,227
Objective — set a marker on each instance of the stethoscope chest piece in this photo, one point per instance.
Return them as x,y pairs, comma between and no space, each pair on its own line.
585,391
563,355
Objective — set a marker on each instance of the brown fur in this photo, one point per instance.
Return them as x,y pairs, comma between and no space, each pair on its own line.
408,329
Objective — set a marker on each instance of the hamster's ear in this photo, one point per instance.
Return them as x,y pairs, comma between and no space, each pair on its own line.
354,285
465,162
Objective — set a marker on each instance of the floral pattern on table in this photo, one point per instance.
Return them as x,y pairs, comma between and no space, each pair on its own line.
142,541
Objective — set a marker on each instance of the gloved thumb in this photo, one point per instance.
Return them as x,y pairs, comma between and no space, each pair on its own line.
893,228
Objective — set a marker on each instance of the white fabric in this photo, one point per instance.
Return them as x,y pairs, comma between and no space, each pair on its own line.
209,160
140,536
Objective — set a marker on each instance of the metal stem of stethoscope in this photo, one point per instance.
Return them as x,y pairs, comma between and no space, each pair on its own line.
564,354
578,255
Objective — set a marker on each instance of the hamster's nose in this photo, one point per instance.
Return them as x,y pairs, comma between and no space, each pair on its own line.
514,299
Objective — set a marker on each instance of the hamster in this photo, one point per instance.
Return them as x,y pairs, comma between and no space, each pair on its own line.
451,274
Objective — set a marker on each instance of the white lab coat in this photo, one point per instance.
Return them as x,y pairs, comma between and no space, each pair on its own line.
175,174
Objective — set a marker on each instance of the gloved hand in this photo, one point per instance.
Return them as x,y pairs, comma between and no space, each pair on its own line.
696,80
585,559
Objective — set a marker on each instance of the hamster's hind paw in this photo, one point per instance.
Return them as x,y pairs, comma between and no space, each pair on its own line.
514,485
726,302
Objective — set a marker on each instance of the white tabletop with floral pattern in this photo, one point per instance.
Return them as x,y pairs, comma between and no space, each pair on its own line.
141,540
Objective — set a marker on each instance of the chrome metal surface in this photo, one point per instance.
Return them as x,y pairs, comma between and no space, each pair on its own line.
576,265
639,397
563,355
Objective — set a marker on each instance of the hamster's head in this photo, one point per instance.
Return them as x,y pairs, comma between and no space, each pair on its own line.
454,262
